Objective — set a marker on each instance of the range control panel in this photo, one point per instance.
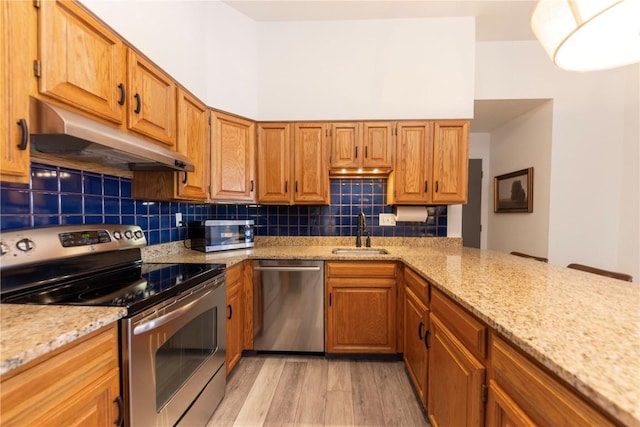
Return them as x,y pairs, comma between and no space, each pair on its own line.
35,245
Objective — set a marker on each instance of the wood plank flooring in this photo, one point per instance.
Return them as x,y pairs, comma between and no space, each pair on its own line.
314,391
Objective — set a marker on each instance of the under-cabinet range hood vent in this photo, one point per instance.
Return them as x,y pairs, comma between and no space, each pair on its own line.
64,133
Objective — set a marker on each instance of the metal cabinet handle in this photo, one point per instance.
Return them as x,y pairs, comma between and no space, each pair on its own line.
420,326
296,186
426,339
251,191
184,180
123,94
230,311
120,419
286,186
436,186
426,186
24,139
138,103
285,268
365,152
356,152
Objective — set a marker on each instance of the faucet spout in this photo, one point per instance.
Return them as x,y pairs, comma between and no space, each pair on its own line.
362,227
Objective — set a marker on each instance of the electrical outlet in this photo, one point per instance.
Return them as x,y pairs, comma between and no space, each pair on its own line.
387,220
179,219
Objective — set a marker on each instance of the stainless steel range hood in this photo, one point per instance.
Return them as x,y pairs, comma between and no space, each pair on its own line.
62,132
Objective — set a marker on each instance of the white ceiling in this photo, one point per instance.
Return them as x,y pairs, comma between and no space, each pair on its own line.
495,19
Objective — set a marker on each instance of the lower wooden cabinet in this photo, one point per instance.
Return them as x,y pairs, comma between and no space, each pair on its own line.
360,307
78,385
235,315
416,328
523,394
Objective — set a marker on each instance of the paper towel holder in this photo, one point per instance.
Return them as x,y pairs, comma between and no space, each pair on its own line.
410,213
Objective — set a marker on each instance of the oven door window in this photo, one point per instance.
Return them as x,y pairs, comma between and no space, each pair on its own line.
182,355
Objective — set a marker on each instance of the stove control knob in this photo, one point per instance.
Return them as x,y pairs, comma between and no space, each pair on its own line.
128,234
24,245
138,234
3,249
117,235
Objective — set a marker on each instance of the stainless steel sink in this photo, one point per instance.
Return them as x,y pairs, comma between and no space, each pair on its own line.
359,251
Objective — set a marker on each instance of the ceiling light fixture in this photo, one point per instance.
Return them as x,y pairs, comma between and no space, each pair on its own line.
586,35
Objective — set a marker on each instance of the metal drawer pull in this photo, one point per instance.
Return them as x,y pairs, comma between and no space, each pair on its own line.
164,319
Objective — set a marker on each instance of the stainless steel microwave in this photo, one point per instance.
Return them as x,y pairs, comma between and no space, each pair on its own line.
220,235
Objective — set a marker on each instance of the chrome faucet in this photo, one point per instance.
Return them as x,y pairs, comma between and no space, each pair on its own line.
362,228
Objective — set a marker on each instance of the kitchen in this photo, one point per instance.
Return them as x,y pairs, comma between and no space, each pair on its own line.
576,119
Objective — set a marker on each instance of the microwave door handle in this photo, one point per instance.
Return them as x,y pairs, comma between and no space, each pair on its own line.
165,318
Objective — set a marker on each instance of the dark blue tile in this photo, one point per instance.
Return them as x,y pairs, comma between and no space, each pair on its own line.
112,219
128,219
125,187
345,199
141,208
92,205
164,208
72,219
93,219
153,237
14,202
44,178
165,236
165,221
154,208
70,182
154,222
142,222
111,187
9,222
70,204
45,220
175,235
111,206
92,184
127,207
45,203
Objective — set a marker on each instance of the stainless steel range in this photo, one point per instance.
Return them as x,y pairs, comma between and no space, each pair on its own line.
173,337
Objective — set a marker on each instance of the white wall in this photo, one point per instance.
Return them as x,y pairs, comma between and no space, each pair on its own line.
207,46
519,144
480,148
378,69
595,124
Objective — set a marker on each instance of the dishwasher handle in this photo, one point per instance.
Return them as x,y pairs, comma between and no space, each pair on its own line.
287,268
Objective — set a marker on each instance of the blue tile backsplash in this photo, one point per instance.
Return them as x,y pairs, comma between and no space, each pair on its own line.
59,195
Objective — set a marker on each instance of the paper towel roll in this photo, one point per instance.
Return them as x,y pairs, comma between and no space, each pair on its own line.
411,213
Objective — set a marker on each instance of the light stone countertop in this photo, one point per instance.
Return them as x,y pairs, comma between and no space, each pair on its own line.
30,331
583,327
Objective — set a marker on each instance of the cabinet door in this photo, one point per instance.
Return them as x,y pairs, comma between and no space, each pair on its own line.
346,141
193,142
502,411
416,325
235,315
457,376
414,146
82,62
450,161
152,100
311,178
17,49
274,163
232,158
361,315
378,145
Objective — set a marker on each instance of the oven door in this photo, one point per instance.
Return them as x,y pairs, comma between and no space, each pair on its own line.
173,353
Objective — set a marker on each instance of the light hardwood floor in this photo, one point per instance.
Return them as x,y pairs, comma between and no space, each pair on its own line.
314,391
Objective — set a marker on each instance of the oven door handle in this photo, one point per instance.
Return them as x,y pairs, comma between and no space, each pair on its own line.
166,318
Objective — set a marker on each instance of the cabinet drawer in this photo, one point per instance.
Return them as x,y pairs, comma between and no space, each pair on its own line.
417,284
542,398
469,331
361,269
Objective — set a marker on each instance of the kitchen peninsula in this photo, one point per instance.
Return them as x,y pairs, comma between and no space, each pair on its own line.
583,328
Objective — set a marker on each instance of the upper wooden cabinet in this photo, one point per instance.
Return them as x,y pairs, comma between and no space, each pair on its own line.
292,172
232,158
82,63
361,145
193,142
152,100
431,163
310,168
17,50
274,163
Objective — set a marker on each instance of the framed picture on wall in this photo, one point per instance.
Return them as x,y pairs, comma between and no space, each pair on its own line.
513,192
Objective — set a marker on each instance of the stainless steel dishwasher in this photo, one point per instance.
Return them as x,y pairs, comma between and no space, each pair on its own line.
288,304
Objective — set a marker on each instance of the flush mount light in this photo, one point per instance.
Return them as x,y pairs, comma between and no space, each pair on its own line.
586,35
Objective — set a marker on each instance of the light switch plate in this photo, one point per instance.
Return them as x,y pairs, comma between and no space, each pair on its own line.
387,220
